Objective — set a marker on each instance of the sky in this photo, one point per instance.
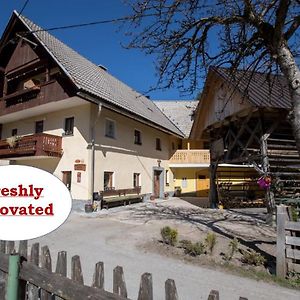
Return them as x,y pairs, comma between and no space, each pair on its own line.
102,44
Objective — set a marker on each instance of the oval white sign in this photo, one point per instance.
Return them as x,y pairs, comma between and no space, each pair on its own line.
33,202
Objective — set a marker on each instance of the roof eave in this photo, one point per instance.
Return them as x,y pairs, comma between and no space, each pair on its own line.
49,52
97,100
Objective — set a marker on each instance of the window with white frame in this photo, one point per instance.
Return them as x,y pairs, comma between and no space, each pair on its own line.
137,137
136,179
110,128
108,180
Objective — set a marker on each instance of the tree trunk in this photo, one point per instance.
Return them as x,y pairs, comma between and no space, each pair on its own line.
291,71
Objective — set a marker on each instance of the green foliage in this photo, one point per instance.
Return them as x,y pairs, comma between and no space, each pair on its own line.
295,214
184,243
194,249
210,242
294,278
169,235
252,257
232,249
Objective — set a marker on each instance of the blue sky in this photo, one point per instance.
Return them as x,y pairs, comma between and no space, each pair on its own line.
99,43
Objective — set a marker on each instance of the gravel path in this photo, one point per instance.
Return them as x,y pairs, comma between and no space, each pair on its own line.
111,236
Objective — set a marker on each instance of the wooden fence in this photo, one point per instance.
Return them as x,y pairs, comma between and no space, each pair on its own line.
37,281
288,243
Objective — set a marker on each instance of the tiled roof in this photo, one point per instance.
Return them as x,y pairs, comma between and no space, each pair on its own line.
180,112
261,91
92,79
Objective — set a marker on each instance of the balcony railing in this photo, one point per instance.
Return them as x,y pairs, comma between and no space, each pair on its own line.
190,157
40,144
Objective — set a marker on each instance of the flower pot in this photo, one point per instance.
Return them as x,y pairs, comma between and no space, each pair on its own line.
88,208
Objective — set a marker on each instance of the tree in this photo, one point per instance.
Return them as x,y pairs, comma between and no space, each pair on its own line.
258,35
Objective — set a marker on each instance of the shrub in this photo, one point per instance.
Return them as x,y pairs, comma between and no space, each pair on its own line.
185,243
169,235
232,249
252,257
194,249
210,241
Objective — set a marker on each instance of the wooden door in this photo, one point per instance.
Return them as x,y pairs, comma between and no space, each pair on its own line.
157,183
202,185
67,179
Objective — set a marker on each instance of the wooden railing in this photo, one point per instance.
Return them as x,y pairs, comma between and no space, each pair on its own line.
288,242
190,157
40,144
38,281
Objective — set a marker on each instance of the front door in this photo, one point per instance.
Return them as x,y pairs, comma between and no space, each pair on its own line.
67,178
157,183
202,185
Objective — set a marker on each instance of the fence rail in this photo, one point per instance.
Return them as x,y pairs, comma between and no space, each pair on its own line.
38,282
288,242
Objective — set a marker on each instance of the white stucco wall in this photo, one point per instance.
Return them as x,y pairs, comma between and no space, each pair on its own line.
119,155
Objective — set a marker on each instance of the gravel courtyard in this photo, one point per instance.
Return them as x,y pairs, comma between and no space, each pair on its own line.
127,236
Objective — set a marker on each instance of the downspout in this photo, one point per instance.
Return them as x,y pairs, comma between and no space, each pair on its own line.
93,130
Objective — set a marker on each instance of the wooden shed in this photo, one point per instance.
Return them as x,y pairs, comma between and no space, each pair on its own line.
245,118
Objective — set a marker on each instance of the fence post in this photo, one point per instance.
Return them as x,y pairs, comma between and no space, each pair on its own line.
10,247
3,276
33,291
119,285
280,243
170,290
76,272
23,251
98,278
61,264
13,277
146,288
46,263
61,267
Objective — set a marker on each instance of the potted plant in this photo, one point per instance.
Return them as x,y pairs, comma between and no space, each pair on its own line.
88,208
12,141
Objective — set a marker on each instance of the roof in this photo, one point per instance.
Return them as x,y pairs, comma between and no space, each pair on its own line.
97,82
180,112
260,89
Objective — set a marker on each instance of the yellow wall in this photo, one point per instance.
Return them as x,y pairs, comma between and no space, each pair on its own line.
191,179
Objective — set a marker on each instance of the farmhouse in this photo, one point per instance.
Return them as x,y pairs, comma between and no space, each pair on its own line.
64,114
245,119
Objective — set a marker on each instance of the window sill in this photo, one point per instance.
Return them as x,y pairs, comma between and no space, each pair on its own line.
67,134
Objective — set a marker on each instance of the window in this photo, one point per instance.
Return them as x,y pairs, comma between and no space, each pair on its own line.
158,144
14,132
67,178
167,177
39,126
110,128
69,126
108,180
173,146
136,180
137,137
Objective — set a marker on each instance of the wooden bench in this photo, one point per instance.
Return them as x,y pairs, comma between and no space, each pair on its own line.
111,196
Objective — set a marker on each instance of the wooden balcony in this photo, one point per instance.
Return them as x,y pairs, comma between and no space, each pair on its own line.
40,144
190,157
